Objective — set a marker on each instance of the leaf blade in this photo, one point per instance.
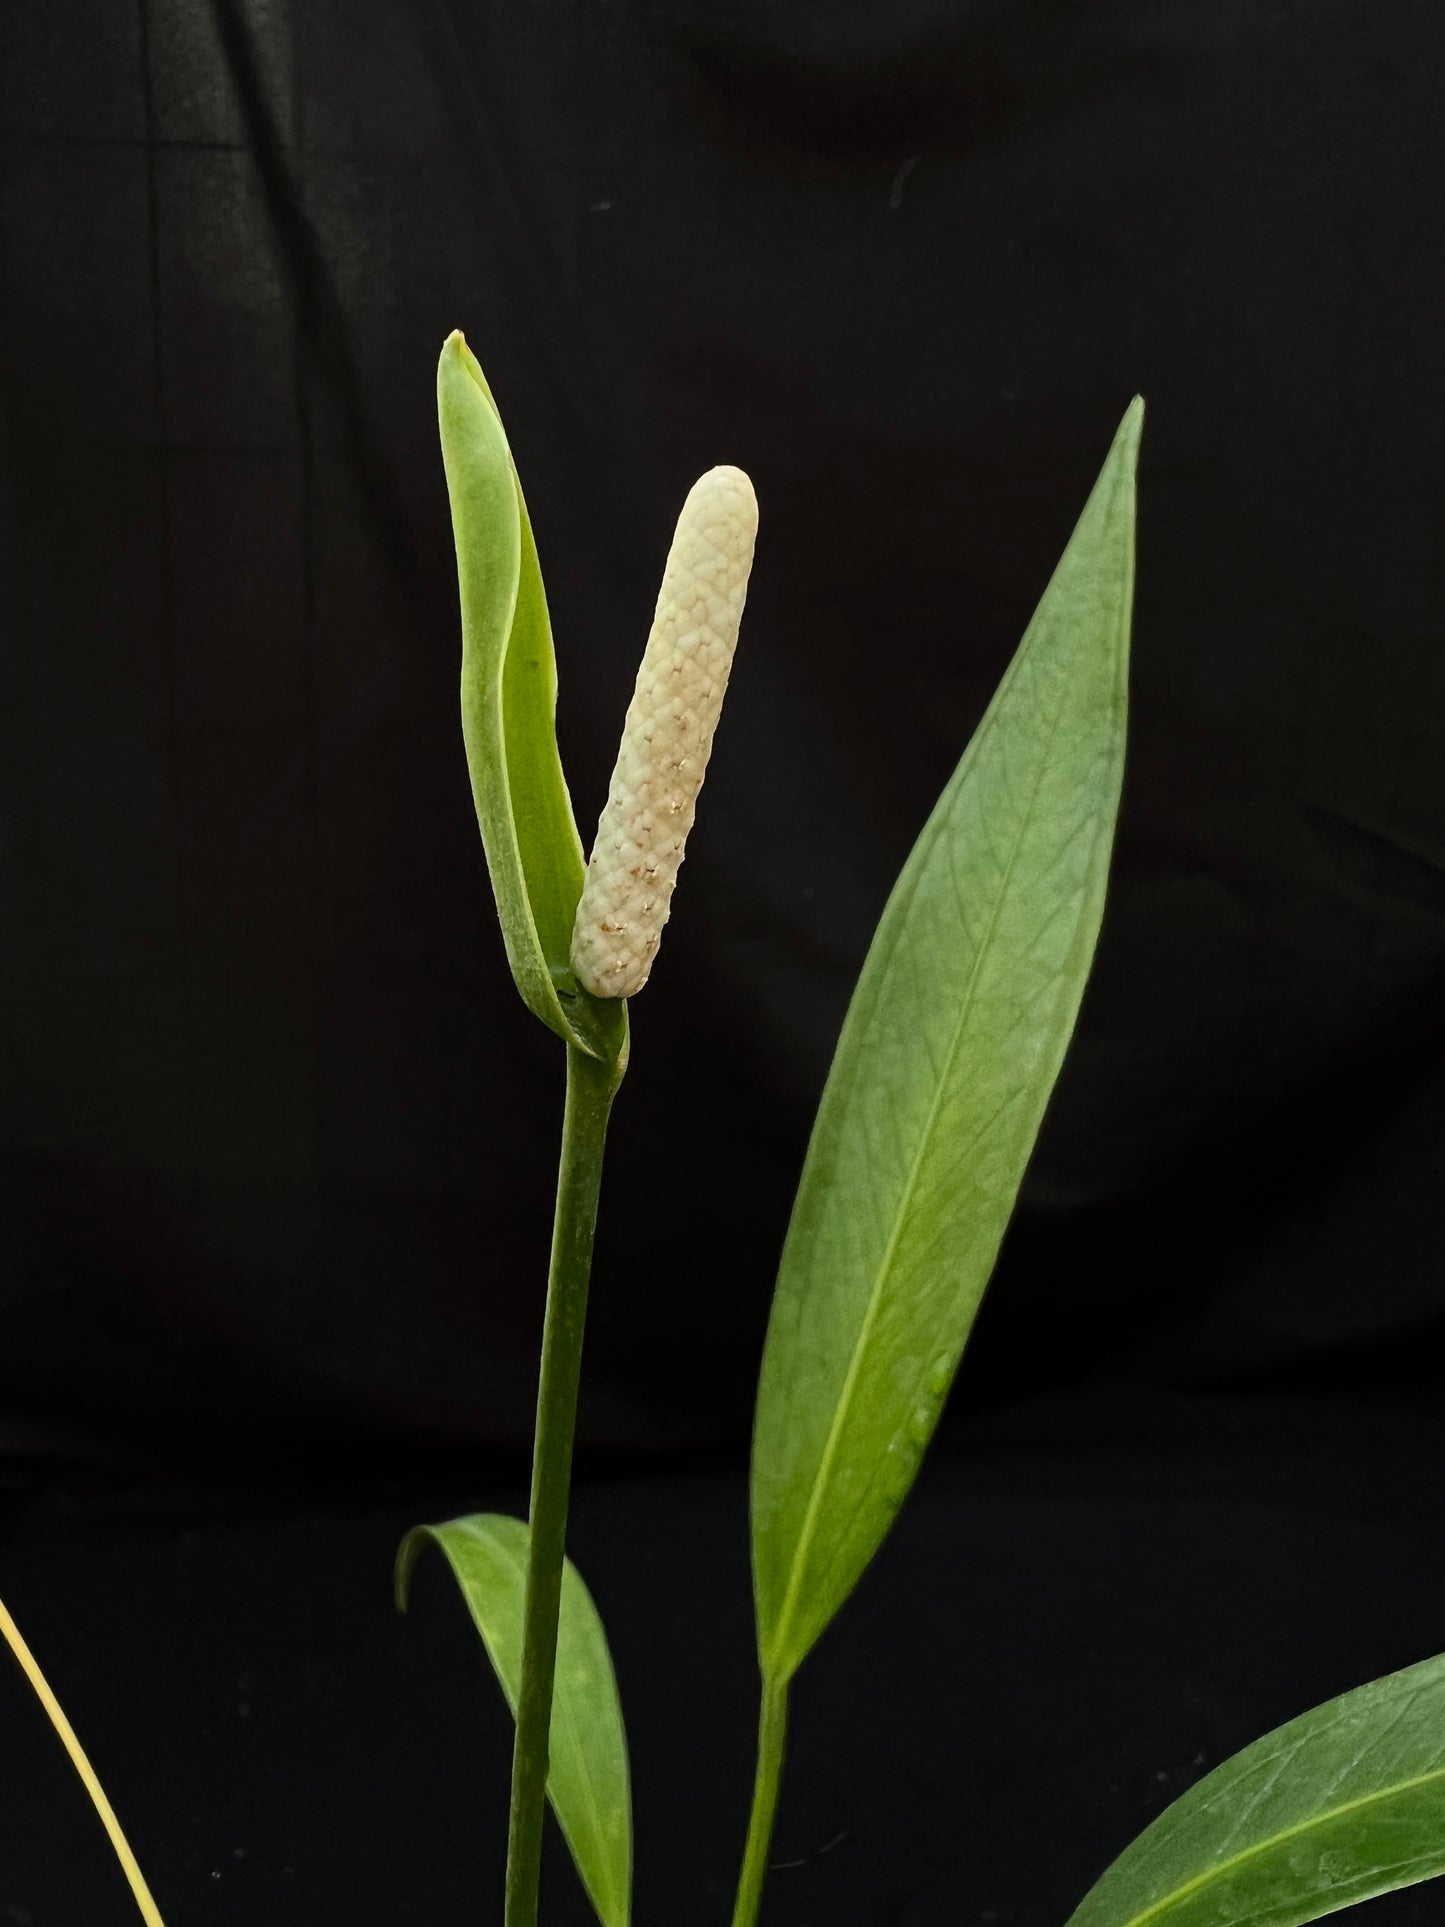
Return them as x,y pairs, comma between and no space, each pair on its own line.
1341,1804
509,703
588,1782
948,1053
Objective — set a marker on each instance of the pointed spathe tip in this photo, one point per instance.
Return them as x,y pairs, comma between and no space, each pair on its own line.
455,351
457,361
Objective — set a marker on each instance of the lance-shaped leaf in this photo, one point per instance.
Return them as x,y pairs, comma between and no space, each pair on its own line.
1343,1803
588,1781
509,705
951,1045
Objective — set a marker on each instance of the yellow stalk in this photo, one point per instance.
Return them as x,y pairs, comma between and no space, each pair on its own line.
150,1913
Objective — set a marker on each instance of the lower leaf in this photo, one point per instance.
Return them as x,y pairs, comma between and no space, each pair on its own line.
1341,1804
588,1782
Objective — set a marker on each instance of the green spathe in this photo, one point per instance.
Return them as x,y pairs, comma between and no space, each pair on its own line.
949,1052
509,702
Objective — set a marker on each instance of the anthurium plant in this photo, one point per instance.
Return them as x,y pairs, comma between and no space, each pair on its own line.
953,1040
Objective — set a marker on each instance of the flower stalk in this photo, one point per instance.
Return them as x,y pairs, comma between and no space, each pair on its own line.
591,1088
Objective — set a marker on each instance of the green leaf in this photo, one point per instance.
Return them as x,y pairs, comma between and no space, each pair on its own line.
509,704
588,1782
1343,1803
950,1049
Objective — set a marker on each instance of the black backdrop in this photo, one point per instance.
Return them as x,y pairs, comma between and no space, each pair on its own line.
277,1137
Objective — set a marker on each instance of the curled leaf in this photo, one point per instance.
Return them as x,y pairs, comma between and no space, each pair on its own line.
588,1782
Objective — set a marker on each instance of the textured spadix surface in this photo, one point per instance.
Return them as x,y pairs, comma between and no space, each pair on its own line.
667,737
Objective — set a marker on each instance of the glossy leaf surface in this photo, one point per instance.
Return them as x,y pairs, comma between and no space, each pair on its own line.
1343,1803
588,1782
509,703
949,1052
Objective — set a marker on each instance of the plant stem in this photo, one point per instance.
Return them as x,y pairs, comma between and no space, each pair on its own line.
150,1913
591,1087
772,1735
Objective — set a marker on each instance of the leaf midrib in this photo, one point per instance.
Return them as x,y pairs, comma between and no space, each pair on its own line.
840,1414
1156,1909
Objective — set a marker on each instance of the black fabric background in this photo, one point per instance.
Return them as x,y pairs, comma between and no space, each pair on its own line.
276,1139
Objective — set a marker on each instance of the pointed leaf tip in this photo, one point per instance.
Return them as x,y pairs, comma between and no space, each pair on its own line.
1131,428
407,1554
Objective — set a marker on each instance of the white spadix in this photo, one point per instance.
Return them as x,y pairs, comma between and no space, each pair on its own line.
667,737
